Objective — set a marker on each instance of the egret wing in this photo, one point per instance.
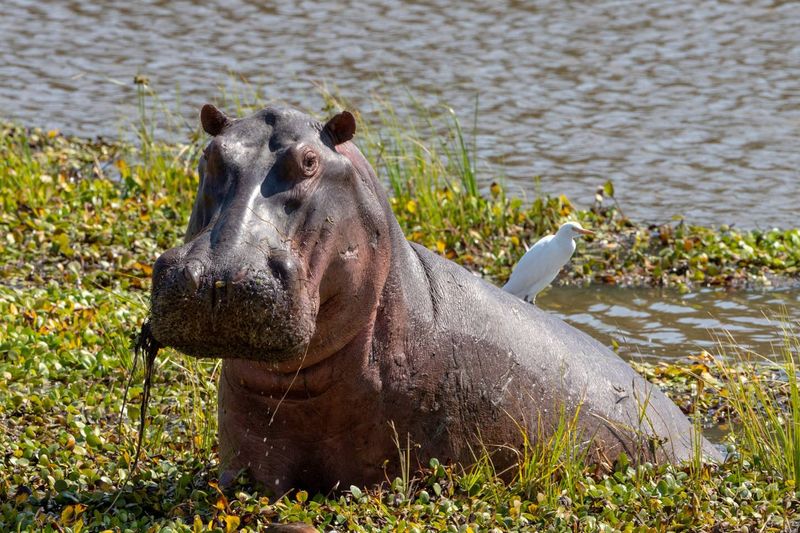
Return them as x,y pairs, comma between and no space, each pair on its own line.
531,270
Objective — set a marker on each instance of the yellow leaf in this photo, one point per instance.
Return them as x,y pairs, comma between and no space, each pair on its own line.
566,206
440,246
222,503
147,270
515,240
52,133
123,167
62,240
67,514
411,206
197,526
231,523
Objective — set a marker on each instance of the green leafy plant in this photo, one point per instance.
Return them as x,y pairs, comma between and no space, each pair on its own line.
81,223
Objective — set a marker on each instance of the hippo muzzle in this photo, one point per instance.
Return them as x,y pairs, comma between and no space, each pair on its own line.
246,306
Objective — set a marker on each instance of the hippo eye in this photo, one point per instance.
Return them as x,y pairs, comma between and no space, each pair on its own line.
310,163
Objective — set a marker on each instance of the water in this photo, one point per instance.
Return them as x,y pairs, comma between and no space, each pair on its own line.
691,107
658,324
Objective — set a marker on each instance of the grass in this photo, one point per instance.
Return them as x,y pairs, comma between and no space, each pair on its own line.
81,223
768,409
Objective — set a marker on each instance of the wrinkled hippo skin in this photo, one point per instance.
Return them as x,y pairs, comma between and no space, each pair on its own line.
337,334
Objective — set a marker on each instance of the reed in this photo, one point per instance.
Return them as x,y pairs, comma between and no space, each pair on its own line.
766,406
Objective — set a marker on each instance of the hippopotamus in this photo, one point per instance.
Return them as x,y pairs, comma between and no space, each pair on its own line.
342,341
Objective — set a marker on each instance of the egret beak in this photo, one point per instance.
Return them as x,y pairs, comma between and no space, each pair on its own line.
584,231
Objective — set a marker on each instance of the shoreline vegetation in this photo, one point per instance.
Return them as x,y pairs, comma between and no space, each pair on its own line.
434,193
81,222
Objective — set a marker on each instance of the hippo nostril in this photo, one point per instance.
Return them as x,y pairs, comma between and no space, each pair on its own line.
281,268
192,272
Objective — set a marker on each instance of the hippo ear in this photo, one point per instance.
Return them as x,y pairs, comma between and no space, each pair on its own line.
213,120
341,127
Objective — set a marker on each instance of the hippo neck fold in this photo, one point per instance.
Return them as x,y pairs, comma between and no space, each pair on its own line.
406,271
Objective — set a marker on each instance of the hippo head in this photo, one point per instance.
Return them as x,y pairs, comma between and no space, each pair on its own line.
286,248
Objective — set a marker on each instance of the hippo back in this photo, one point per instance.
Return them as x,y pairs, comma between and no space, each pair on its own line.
507,365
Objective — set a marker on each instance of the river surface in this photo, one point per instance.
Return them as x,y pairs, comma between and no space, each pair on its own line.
690,107
659,324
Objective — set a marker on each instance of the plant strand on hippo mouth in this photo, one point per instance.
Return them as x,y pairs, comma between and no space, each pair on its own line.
146,348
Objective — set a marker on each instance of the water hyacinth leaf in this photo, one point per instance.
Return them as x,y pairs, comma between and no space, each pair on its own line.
231,523
608,189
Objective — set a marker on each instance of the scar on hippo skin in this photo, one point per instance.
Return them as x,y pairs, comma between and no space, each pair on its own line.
349,254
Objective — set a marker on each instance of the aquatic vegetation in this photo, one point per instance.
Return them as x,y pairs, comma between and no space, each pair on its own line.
436,199
81,223
66,356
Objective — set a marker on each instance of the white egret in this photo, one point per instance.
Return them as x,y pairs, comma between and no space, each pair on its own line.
540,265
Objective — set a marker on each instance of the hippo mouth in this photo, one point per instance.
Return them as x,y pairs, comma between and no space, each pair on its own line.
254,317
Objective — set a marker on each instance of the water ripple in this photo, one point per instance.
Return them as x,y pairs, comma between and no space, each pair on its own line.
692,107
663,324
